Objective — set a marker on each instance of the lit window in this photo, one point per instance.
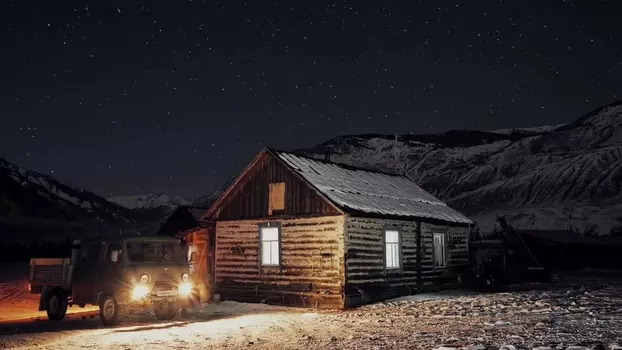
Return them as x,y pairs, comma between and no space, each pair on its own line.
269,246
392,249
440,256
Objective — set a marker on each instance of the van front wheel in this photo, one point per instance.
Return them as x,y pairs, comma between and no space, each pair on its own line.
110,312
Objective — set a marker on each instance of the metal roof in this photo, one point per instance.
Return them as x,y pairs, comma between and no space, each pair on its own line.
370,192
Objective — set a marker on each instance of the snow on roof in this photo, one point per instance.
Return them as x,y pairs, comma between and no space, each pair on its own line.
370,192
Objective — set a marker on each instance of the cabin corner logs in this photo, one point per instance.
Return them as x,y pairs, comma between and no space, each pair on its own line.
332,261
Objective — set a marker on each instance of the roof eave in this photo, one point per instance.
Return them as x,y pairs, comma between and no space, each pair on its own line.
359,213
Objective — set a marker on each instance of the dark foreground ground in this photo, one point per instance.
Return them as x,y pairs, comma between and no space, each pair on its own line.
577,313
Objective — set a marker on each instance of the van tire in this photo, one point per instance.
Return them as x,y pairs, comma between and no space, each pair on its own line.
110,312
165,311
56,305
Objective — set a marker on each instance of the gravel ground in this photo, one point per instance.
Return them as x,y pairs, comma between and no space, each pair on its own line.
575,314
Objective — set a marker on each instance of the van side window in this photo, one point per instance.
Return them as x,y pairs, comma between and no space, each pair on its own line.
113,253
90,252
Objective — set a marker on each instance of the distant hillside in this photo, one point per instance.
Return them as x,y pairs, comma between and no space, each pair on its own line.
558,177
27,193
155,205
36,209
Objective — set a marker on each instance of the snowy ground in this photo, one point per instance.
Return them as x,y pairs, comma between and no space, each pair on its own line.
574,314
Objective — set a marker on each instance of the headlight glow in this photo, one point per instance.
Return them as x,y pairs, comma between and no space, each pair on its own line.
185,278
139,291
185,288
144,278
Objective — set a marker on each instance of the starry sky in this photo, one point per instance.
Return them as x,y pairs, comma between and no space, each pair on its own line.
132,97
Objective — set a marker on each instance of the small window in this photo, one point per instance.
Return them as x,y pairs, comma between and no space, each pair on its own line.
440,255
113,254
270,247
90,252
277,198
392,249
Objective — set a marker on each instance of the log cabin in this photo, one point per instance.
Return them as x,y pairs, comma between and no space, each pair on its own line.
294,230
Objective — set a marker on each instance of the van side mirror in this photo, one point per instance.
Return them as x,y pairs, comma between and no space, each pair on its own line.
114,256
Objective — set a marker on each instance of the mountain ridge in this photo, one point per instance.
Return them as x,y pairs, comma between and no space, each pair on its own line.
162,201
28,193
559,177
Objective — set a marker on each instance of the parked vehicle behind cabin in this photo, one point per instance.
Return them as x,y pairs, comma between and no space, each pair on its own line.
118,275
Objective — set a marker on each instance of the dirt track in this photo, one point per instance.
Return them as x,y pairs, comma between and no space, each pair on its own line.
584,313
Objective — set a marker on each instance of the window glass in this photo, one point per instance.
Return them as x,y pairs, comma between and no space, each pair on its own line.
154,252
111,256
392,249
440,257
90,252
270,254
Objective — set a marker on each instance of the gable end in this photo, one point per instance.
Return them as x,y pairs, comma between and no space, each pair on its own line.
249,195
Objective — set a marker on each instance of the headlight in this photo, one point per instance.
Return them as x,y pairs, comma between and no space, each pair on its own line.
139,291
144,278
184,277
185,288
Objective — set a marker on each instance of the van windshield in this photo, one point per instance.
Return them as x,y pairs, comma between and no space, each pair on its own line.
154,252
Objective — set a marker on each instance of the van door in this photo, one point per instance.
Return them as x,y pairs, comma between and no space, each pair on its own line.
83,277
110,271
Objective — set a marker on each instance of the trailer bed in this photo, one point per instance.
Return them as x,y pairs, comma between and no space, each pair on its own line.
49,272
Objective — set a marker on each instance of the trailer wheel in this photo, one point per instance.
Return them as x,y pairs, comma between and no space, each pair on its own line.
56,306
165,311
110,312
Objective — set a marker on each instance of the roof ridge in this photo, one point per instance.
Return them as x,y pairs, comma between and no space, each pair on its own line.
303,154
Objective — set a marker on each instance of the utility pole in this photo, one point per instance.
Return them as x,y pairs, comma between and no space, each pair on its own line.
395,154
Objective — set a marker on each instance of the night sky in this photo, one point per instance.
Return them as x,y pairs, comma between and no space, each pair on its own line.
143,97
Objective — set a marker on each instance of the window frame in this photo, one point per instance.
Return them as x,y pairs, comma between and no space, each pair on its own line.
279,244
118,247
398,246
444,249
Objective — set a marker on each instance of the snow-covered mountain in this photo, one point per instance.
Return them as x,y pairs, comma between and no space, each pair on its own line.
559,177
31,195
528,131
207,200
162,202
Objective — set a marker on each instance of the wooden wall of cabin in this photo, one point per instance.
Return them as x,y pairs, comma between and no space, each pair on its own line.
311,271
250,196
368,280
202,261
